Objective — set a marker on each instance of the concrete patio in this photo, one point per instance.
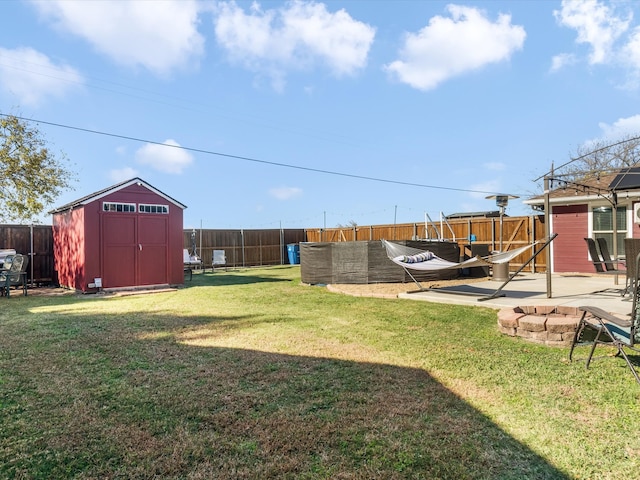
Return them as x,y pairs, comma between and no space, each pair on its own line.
526,289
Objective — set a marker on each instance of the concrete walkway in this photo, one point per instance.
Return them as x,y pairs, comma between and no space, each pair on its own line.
571,290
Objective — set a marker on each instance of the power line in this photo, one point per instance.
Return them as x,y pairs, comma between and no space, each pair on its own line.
249,159
148,96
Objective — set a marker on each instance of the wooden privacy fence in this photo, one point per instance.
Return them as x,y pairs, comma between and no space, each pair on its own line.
244,248
477,232
36,242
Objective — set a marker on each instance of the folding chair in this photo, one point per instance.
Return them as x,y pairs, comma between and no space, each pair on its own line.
602,267
631,251
597,327
609,264
219,258
598,263
190,262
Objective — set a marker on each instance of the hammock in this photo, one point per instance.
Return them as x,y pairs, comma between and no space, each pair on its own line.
416,259
425,260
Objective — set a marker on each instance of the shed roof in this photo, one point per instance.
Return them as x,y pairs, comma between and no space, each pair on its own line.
114,188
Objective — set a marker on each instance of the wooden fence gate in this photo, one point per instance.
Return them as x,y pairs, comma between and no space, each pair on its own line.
36,242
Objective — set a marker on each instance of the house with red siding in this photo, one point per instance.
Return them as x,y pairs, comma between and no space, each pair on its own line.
125,236
585,208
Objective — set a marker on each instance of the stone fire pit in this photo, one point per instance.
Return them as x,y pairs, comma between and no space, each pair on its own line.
541,324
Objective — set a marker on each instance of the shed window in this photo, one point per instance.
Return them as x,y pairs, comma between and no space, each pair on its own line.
603,226
118,207
145,208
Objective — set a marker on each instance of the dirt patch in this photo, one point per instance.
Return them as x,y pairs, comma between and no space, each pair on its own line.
60,291
41,291
392,290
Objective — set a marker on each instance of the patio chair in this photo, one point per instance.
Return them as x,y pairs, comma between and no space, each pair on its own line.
13,274
597,327
609,264
599,264
190,262
4,253
631,251
219,258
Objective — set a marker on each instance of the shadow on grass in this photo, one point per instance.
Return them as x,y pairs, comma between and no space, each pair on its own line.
134,401
229,279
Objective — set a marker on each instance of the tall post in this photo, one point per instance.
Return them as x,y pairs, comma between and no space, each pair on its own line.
324,229
242,240
547,232
282,247
395,217
31,253
501,222
614,210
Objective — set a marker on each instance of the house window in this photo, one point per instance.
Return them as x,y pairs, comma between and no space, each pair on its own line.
603,226
146,208
118,207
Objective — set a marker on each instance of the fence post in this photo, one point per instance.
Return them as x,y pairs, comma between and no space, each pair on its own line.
31,254
242,244
281,245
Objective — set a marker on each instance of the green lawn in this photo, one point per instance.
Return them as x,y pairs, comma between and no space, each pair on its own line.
250,374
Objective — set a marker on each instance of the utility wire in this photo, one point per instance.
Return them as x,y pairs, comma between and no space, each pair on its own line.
598,150
249,159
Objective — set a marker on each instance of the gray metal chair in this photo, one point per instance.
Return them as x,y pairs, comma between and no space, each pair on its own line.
597,327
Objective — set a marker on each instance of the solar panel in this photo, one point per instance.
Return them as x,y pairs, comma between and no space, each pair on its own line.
627,179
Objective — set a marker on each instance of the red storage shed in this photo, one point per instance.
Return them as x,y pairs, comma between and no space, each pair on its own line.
127,235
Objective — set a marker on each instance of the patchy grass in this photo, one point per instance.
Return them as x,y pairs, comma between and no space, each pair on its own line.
250,374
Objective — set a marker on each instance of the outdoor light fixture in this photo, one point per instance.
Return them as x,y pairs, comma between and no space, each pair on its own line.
502,200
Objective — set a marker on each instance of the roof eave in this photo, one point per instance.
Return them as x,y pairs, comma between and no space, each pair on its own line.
114,188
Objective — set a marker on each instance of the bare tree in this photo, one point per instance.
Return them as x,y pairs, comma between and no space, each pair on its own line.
601,158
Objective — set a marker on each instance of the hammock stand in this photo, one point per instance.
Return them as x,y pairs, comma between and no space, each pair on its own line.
421,260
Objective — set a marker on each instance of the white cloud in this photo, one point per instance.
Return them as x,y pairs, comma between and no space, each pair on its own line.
158,36
482,189
562,60
621,128
285,193
298,36
166,158
630,54
596,25
32,76
450,47
121,174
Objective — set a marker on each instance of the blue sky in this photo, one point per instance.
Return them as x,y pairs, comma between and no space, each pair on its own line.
308,114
